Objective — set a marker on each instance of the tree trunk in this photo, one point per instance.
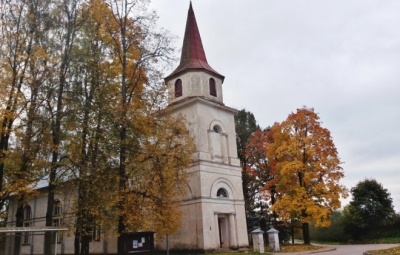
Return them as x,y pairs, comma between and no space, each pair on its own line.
78,228
19,215
306,233
292,233
49,212
121,238
122,186
85,244
76,242
123,132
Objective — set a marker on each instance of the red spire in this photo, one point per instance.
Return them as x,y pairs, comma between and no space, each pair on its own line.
193,55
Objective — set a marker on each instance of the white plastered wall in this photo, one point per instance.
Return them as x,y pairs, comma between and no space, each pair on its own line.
215,166
195,83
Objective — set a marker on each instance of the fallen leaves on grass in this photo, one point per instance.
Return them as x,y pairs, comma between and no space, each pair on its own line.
299,247
392,251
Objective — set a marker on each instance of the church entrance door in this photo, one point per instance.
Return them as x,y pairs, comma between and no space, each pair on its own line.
223,231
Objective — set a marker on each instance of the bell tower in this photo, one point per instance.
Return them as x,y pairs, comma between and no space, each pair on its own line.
213,214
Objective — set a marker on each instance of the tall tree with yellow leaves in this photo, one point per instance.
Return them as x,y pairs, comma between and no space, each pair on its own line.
308,170
23,74
93,112
118,92
158,177
90,158
63,22
16,51
137,48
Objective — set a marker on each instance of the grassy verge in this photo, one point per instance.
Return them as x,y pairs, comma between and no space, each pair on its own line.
394,239
249,252
217,253
392,251
284,248
330,243
299,247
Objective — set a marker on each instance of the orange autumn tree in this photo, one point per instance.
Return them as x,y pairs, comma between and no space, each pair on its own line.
262,173
21,130
158,177
138,49
118,91
308,170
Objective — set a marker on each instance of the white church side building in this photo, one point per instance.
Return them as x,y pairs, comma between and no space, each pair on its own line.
213,212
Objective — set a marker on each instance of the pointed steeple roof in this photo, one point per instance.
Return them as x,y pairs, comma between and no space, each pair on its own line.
193,55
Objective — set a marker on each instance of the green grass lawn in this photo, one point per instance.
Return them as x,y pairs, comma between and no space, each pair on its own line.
217,253
299,247
393,239
284,248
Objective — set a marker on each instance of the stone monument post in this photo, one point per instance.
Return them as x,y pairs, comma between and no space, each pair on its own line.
258,240
273,239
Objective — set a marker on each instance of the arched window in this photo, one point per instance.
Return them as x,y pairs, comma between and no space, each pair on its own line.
178,88
217,129
57,221
27,223
27,213
221,192
213,90
57,208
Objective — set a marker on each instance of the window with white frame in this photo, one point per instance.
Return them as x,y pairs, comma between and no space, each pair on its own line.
57,223
57,220
96,232
27,223
57,208
27,213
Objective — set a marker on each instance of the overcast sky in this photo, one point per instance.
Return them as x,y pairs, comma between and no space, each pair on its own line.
341,57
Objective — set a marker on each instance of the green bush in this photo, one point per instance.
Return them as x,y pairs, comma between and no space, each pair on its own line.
388,232
333,233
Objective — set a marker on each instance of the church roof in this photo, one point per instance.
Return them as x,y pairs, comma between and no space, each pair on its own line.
193,55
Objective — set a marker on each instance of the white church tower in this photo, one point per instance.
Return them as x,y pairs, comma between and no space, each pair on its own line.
213,211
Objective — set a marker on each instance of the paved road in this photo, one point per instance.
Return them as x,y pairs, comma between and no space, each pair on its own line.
358,249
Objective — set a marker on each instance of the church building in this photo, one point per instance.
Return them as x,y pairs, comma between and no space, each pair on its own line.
213,212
